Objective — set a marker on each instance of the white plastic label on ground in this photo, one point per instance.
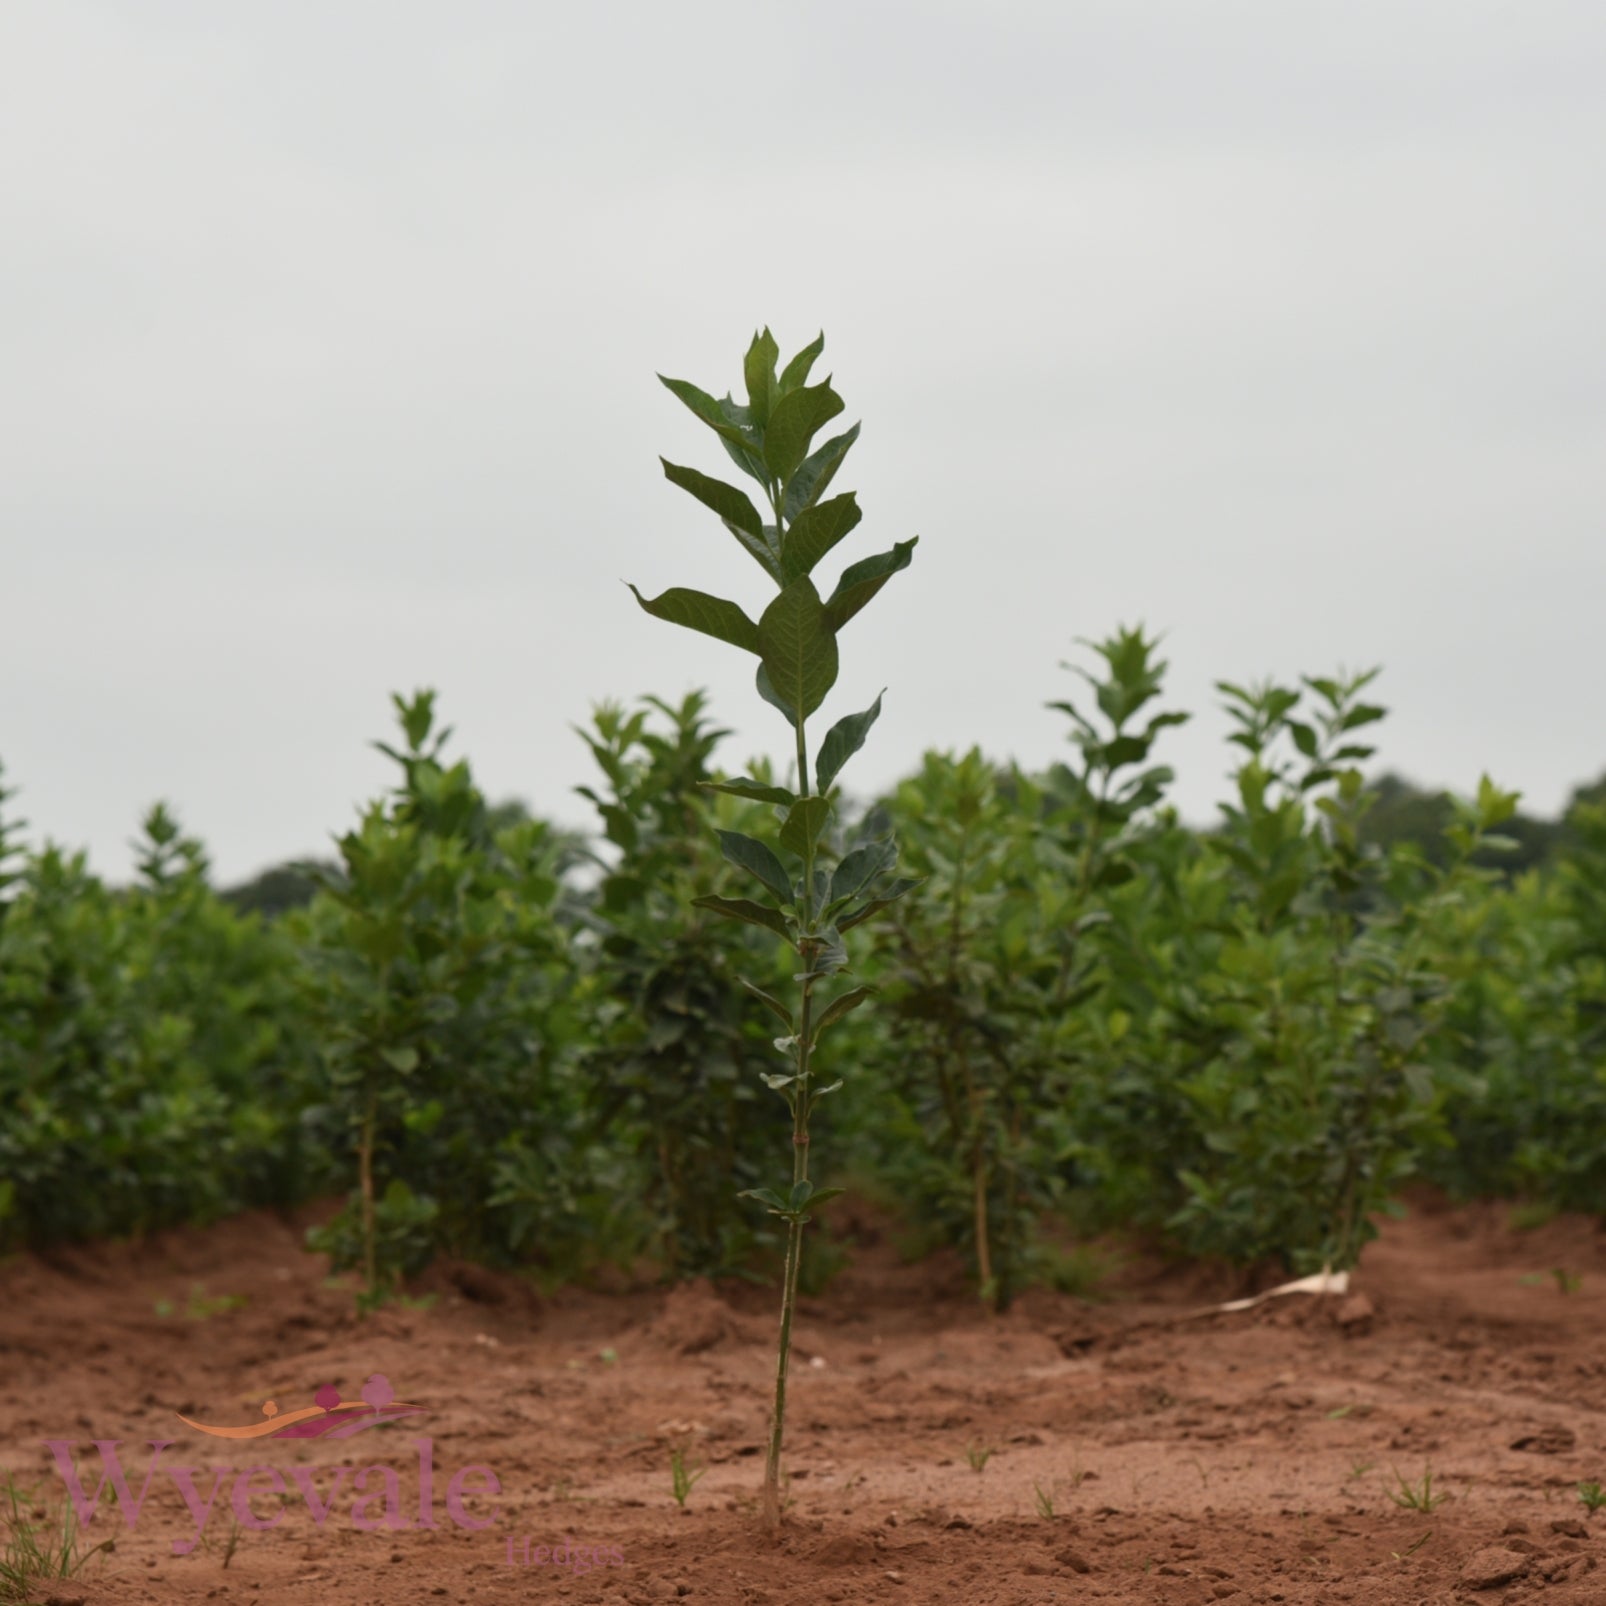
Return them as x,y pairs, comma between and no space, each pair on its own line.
1326,1281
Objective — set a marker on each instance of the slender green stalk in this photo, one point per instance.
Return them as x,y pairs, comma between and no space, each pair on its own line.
794,1256
808,951
365,1171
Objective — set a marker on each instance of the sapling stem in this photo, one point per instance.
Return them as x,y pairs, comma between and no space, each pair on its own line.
794,1251
365,1172
808,951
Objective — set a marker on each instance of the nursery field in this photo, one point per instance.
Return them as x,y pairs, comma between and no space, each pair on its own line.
728,1207
1258,1456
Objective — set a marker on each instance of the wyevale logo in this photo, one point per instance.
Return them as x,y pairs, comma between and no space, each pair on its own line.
374,1492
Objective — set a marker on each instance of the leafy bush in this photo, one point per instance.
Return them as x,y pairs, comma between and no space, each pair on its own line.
150,1065
436,969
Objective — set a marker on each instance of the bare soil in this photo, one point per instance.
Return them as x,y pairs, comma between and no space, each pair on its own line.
1187,1458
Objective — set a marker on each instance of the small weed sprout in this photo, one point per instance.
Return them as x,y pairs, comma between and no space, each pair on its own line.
1417,1496
32,1553
1045,1502
1401,1555
203,1306
1567,1282
1359,1469
1592,1495
682,1477
978,1455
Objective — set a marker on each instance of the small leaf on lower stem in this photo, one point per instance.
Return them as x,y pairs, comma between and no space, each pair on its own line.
755,914
838,1007
774,1003
894,891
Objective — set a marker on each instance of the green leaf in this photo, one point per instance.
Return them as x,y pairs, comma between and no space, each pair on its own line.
861,581
758,859
761,548
842,741
774,1003
838,1007
755,914
798,647
1362,714
815,473
746,786
831,956
765,1196
749,462
403,1060
729,503
804,822
774,698
759,371
822,1195
815,532
893,891
801,1193
696,610
743,447
1494,806
860,867
797,370
792,424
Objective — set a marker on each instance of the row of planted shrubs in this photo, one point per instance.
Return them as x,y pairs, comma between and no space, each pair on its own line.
510,1045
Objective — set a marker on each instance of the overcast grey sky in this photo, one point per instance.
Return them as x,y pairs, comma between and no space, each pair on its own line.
328,336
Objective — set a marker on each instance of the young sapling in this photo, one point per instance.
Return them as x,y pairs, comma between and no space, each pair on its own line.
770,440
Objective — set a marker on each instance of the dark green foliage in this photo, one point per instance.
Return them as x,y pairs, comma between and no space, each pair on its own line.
1246,1037
1402,814
279,889
151,1067
1528,1103
673,1070
967,1094
435,981
987,978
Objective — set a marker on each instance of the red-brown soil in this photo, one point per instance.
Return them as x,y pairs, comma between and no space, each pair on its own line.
1189,1459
